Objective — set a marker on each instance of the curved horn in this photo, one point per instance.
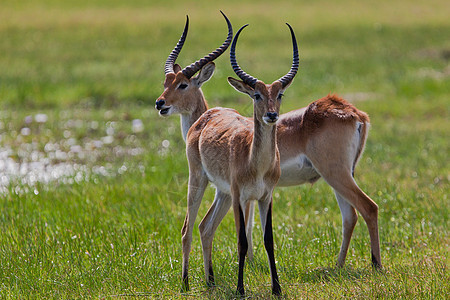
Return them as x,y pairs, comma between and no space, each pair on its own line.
250,80
195,67
286,79
168,68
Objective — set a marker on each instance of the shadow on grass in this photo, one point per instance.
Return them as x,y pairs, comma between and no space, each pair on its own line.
227,289
333,274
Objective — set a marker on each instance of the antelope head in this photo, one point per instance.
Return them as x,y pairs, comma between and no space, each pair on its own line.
266,97
181,90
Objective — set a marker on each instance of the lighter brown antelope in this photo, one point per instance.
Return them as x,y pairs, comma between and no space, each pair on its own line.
240,157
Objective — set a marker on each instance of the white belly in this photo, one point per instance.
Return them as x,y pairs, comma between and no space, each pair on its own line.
254,191
220,183
297,170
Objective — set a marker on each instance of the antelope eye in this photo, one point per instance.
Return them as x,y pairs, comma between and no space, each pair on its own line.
257,97
182,86
280,96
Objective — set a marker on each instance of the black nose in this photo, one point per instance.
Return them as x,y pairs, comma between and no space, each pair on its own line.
273,116
160,104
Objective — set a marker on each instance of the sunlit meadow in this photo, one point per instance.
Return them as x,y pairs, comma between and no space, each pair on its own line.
93,182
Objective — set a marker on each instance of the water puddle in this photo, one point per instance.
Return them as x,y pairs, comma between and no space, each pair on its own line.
38,149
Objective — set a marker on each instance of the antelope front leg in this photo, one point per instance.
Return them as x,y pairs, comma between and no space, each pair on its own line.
196,188
265,210
242,241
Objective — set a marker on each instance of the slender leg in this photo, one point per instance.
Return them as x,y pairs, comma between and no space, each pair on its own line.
345,186
242,240
349,219
249,218
208,226
337,171
197,185
265,209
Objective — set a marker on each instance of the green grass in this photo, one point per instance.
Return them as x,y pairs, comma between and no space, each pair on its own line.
110,228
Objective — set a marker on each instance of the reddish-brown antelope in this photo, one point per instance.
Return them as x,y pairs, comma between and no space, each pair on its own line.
324,139
240,157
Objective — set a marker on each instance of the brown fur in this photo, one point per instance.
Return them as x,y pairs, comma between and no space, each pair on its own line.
332,107
174,96
323,131
239,155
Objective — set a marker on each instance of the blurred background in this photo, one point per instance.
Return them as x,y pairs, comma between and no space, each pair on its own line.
82,64
83,152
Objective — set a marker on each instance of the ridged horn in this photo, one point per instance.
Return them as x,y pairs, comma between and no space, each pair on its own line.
286,79
195,67
246,78
168,68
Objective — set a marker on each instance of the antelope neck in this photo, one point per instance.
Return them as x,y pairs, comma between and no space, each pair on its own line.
263,145
187,119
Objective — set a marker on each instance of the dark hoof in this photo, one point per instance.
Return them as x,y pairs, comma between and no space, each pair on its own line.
375,263
185,286
377,267
211,282
240,291
276,291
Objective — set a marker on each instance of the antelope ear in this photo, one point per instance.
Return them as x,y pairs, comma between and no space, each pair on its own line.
176,68
205,74
242,87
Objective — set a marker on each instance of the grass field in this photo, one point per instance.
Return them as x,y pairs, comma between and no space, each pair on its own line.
93,183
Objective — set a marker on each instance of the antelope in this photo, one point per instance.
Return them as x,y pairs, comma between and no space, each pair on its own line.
324,139
183,95
240,157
